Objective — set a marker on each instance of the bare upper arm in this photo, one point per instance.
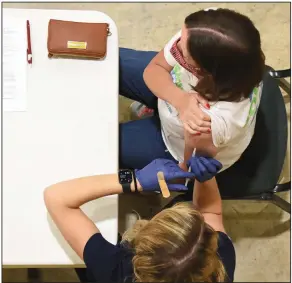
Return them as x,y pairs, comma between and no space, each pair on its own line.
215,221
159,60
203,144
73,224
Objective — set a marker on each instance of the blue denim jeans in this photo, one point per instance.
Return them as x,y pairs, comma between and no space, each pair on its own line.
140,141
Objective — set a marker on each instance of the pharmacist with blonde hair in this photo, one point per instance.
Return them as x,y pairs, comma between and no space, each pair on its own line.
184,243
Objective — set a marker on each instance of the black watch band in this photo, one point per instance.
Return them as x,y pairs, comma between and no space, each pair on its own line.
126,188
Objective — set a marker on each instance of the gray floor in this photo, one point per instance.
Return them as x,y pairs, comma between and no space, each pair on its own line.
261,232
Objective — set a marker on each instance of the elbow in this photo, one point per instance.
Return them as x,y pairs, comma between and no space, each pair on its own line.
146,75
211,210
49,197
149,74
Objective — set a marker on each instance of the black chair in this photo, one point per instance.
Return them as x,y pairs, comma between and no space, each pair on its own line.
255,175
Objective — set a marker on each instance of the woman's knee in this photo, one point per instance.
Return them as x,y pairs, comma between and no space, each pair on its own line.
134,61
132,64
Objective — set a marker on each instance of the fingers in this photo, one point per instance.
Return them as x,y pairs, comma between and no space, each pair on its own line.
212,164
201,167
207,118
217,163
202,101
195,168
209,165
193,129
201,123
189,163
204,121
189,129
199,113
202,127
195,109
177,187
183,174
206,168
204,174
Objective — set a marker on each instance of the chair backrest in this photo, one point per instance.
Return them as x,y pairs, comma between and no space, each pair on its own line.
259,168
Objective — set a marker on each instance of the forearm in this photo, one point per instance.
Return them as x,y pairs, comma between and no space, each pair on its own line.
206,197
76,192
63,201
159,81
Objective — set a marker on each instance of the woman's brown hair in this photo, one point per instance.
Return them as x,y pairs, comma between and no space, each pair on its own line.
227,47
175,246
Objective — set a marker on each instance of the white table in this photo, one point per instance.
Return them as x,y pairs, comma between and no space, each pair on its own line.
70,129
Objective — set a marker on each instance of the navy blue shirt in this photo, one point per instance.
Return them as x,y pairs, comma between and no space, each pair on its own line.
106,262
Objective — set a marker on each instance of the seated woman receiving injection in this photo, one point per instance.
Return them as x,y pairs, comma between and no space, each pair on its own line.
215,59
218,55
185,243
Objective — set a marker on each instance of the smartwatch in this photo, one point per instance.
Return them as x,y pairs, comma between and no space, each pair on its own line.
125,179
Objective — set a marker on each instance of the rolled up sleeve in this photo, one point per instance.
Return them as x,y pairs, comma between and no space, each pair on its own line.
221,134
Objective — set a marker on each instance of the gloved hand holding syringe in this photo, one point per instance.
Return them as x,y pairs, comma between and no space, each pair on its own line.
190,163
189,152
190,168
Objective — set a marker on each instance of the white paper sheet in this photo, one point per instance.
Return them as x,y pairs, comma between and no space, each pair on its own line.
14,64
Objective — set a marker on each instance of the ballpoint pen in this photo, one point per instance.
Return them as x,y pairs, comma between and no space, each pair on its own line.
28,51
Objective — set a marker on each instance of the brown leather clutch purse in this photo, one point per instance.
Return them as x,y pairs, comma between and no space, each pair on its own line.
73,39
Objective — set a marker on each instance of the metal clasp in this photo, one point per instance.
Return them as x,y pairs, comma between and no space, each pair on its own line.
109,32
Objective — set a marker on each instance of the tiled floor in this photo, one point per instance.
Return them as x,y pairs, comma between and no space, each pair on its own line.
261,232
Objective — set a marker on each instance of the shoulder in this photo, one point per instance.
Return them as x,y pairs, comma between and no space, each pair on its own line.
226,252
105,261
229,120
167,54
237,113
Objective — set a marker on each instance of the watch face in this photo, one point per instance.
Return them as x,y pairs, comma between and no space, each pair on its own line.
125,176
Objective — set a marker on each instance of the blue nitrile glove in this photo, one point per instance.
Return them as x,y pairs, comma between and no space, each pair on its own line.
147,176
205,168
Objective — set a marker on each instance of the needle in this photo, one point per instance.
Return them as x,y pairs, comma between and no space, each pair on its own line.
193,155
